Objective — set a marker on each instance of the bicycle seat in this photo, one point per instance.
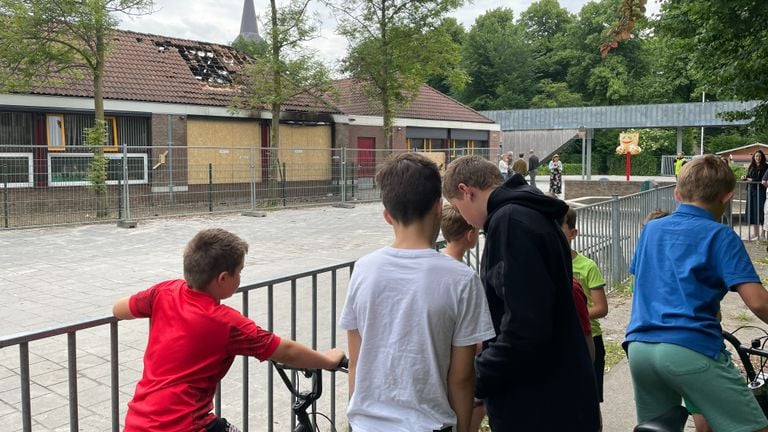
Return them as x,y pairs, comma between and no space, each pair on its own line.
671,421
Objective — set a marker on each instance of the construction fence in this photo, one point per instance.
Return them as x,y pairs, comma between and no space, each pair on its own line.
42,188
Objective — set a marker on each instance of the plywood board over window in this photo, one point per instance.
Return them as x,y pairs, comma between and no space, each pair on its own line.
306,152
54,124
231,147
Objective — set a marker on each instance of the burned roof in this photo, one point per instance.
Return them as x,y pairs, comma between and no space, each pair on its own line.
152,68
429,104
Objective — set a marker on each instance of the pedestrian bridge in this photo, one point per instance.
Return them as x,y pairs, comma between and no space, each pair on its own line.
548,130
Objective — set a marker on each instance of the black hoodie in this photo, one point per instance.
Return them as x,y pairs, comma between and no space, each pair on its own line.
538,367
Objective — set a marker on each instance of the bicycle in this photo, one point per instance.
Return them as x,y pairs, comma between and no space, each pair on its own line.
306,399
674,420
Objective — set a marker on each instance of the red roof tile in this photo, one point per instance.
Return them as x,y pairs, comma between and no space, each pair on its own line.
151,68
430,104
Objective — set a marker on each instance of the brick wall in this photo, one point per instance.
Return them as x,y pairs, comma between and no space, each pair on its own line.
583,188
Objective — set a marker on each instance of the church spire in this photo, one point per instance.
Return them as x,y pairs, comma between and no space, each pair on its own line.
249,29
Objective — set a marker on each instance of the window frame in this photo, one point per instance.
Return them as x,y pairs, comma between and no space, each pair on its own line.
52,183
112,147
48,132
30,170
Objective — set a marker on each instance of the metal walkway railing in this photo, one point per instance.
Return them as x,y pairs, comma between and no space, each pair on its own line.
319,289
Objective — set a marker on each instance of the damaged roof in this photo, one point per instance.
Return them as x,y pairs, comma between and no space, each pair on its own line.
430,104
152,68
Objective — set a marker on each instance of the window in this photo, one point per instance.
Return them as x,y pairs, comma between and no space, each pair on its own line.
16,170
55,132
111,143
72,169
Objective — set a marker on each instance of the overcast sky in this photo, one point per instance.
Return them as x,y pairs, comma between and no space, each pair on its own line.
219,20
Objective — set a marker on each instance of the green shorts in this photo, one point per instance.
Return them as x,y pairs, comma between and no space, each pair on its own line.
664,373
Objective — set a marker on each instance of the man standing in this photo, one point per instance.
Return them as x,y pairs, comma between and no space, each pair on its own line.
533,166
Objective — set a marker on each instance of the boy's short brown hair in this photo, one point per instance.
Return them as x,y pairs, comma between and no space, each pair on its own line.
569,218
452,224
705,179
410,186
472,171
210,253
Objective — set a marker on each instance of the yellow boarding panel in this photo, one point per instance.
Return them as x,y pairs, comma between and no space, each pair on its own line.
306,152
438,158
231,146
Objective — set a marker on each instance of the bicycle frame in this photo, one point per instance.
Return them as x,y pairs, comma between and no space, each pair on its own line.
304,400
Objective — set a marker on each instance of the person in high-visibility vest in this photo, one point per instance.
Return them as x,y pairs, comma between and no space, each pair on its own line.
679,163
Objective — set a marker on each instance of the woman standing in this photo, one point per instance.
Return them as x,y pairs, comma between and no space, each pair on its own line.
755,193
555,175
504,167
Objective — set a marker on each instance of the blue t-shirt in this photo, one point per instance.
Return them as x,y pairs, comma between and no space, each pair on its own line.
684,265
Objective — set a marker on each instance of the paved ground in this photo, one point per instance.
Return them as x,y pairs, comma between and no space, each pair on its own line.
58,275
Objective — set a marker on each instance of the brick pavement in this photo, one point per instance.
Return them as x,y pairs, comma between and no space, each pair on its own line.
53,276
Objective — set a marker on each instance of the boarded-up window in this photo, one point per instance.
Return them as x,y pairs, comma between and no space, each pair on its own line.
306,152
231,147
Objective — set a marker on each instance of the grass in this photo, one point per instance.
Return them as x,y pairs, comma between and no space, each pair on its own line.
743,317
623,289
613,354
761,261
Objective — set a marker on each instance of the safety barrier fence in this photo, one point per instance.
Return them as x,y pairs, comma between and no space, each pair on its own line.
41,187
304,307
73,378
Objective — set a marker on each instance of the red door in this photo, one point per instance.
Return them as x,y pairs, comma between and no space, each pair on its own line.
366,159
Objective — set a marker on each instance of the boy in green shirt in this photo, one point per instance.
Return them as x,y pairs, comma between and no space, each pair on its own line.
588,274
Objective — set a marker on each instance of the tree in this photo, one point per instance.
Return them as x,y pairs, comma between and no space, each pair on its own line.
555,95
392,52
544,23
281,68
728,43
453,79
42,39
731,48
499,63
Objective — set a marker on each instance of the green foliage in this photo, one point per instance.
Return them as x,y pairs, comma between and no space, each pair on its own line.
555,95
499,62
255,49
731,41
42,38
393,50
642,165
95,138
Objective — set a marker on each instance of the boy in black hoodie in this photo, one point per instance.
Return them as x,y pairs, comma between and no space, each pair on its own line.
536,374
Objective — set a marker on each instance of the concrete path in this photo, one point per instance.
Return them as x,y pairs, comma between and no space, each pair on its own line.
53,276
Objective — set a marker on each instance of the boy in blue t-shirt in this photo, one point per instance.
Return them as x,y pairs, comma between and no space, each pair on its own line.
684,265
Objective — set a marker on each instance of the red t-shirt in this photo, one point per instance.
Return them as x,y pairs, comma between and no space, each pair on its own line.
580,301
193,341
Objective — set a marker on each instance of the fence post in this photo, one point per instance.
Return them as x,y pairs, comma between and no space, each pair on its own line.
616,265
253,212
5,195
282,183
344,203
125,221
210,187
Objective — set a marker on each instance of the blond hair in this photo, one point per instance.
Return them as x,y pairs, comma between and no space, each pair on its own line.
452,224
212,252
472,171
705,179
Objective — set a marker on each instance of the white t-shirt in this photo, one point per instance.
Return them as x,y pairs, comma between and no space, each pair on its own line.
503,167
410,307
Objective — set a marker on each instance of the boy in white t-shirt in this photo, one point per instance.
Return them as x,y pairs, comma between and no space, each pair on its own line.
413,316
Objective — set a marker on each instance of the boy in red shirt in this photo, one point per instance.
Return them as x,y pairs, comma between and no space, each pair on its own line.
193,339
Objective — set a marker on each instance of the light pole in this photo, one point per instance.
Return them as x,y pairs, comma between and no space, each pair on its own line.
583,134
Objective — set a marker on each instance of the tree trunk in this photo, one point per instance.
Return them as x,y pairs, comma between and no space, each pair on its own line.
98,100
